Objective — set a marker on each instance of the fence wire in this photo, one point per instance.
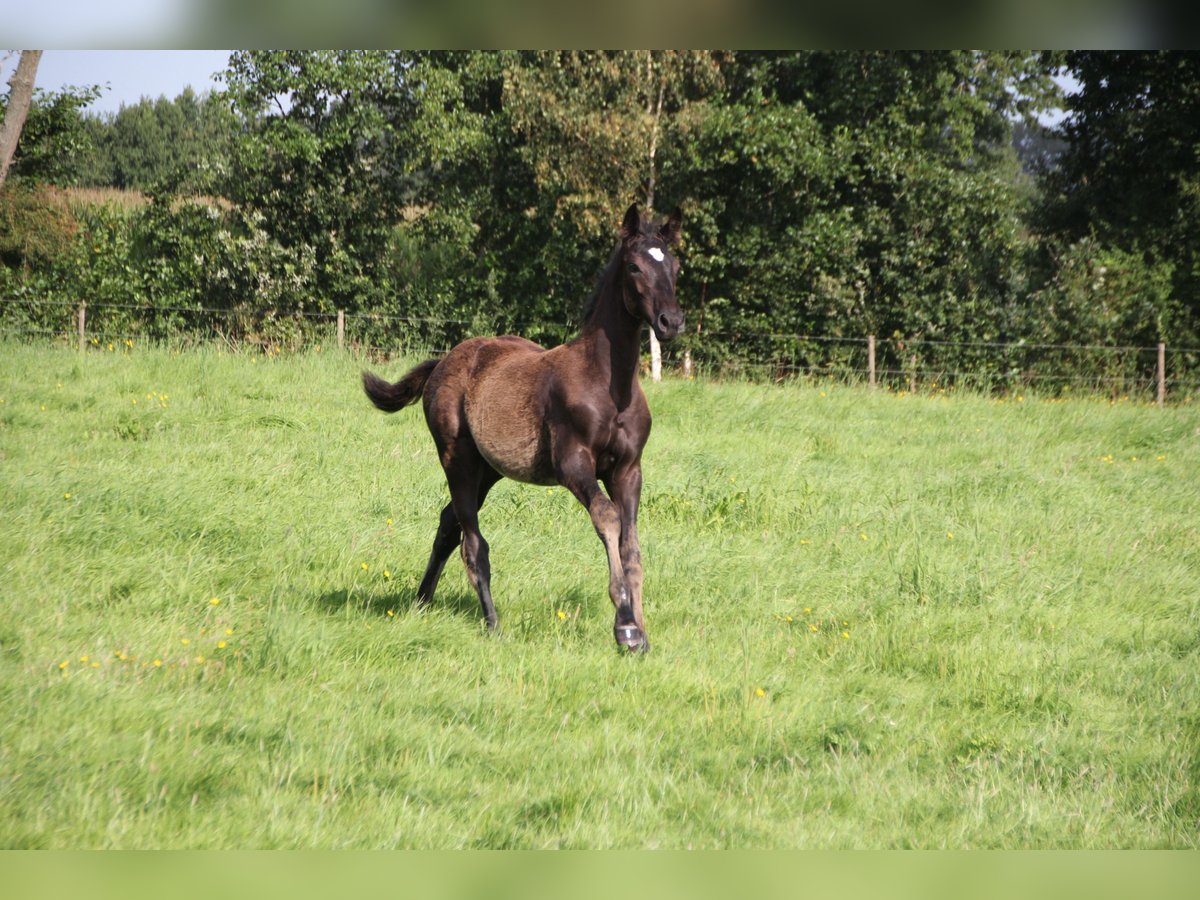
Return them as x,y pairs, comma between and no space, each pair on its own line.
901,364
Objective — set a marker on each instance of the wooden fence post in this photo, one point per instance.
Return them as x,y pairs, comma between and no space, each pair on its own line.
341,329
1162,373
871,358
82,325
912,376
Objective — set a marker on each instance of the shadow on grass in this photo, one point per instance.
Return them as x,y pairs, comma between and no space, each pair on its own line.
459,603
577,614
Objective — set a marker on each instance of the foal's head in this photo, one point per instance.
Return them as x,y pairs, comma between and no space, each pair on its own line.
648,271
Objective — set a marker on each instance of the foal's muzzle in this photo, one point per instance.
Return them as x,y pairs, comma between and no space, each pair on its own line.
668,325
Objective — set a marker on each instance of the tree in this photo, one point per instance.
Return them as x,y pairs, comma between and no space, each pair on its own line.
183,143
592,126
854,193
316,159
17,109
1130,174
57,142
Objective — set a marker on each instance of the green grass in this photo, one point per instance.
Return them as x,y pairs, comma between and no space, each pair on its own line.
877,621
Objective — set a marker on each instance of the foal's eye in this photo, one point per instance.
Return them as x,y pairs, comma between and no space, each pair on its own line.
633,269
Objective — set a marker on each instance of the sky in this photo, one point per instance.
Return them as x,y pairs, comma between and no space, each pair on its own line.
125,75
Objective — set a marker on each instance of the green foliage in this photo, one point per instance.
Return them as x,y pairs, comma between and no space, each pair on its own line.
435,194
1103,295
36,228
1130,170
55,141
181,144
317,160
837,196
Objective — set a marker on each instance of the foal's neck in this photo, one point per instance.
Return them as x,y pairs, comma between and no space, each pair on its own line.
612,339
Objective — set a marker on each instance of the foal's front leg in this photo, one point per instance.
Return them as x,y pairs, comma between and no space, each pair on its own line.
576,471
625,488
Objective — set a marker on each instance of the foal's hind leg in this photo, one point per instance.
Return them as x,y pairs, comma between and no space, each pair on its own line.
450,535
470,479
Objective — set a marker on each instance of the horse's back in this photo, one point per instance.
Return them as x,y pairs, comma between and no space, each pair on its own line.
494,391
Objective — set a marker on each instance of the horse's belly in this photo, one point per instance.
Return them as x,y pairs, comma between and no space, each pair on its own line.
507,425
514,452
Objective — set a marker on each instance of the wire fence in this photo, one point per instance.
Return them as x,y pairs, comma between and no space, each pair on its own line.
1160,373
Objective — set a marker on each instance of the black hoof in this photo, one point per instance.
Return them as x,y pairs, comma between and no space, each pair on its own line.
631,638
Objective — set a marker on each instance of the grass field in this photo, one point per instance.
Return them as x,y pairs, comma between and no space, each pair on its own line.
877,621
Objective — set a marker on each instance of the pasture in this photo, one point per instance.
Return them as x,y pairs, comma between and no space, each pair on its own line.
876,620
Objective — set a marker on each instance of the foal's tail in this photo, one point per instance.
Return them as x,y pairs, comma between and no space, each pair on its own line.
391,397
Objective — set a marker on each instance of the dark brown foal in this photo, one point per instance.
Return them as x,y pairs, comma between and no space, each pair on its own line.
574,415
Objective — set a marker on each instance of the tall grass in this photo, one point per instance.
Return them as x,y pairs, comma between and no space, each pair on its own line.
877,621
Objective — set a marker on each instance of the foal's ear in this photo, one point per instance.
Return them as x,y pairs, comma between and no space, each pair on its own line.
632,225
670,231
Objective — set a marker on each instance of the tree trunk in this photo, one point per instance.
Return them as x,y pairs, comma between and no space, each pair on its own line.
656,113
20,95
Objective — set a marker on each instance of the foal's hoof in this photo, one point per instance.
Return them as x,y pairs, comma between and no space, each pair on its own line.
631,638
